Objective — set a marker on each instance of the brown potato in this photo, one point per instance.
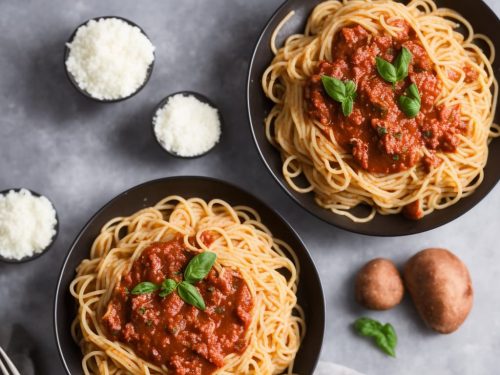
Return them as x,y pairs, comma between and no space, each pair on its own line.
440,287
379,285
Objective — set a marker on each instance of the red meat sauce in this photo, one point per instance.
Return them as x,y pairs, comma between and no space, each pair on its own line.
168,331
381,138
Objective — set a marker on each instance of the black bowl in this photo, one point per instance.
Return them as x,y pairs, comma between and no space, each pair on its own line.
54,237
202,98
84,92
310,294
482,19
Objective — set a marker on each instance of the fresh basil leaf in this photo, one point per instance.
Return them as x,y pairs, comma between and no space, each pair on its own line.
411,107
199,267
190,295
402,64
386,70
350,89
144,288
347,106
412,92
167,287
410,103
367,327
396,72
342,92
391,337
384,334
335,88
386,339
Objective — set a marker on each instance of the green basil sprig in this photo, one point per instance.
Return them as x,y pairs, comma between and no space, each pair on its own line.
167,287
396,72
199,267
190,294
410,103
384,334
144,288
196,270
342,92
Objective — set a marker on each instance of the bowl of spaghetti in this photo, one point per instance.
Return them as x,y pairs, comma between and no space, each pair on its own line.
379,116
188,275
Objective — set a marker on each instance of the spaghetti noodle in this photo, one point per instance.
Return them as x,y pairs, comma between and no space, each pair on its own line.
466,83
241,242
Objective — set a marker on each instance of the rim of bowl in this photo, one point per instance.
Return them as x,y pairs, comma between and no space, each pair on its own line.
307,254
202,98
72,79
52,241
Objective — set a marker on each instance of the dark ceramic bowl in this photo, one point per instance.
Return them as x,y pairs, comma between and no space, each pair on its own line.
309,294
37,255
482,19
201,98
84,92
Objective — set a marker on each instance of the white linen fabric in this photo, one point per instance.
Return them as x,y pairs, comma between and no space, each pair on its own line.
328,368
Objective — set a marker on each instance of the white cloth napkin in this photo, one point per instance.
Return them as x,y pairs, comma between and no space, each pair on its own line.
328,368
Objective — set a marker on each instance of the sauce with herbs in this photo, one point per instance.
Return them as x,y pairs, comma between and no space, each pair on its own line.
167,331
381,138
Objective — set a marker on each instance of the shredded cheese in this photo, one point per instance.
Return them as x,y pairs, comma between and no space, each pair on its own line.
186,126
27,224
109,58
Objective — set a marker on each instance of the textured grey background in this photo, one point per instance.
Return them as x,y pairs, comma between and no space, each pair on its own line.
81,154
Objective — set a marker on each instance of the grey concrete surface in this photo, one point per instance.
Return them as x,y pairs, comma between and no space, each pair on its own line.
81,154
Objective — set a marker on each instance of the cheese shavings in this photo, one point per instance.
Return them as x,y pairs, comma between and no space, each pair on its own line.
109,58
27,224
187,127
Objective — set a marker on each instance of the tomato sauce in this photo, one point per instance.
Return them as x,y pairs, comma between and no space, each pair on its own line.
381,138
168,331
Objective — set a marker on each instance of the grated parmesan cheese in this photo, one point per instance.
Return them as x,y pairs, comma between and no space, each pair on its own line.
186,126
109,58
27,224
